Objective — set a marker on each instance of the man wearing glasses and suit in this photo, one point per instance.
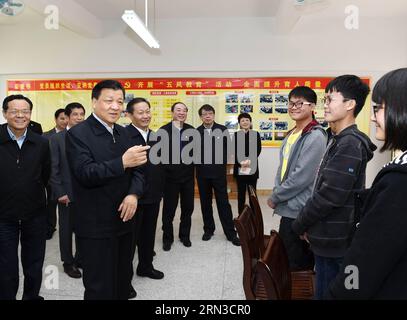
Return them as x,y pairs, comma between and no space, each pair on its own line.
25,166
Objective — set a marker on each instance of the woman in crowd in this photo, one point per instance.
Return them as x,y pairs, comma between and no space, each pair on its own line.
247,150
375,265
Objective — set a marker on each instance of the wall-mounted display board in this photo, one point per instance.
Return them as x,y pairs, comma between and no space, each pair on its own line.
265,99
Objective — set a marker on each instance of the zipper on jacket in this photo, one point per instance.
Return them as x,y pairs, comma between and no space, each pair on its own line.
323,162
18,154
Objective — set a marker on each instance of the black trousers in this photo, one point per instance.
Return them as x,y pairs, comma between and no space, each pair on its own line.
65,222
51,212
300,257
206,187
106,267
172,191
242,188
31,234
144,237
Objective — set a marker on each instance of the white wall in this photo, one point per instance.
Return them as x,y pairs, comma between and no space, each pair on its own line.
210,47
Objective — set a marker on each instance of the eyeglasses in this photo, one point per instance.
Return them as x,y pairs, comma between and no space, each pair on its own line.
16,112
377,108
297,105
327,100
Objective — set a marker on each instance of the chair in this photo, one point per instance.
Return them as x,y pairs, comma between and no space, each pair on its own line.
264,271
246,228
255,206
272,273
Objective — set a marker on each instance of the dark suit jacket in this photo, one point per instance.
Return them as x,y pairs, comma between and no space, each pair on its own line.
49,134
35,127
153,174
213,170
60,180
24,174
178,172
99,181
248,140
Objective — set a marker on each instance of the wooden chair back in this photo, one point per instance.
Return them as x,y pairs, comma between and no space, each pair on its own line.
272,270
273,274
246,229
255,205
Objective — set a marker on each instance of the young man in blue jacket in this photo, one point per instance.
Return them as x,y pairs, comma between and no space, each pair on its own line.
300,155
327,219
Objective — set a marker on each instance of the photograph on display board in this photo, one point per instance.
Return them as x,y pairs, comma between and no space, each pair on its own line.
281,125
266,109
266,125
231,108
266,98
266,136
281,98
281,108
246,98
232,98
246,108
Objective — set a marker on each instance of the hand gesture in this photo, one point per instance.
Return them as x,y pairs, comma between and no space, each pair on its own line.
135,156
128,207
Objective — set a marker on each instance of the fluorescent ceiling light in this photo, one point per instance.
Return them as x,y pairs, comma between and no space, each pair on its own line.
134,22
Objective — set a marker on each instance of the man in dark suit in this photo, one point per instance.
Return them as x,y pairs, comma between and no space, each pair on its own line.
60,124
138,110
61,121
61,186
211,175
179,179
25,166
106,187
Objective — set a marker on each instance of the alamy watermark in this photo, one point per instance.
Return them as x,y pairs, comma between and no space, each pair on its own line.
51,277
217,147
51,21
352,20
352,280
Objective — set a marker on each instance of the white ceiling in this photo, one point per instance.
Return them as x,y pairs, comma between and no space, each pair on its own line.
181,9
89,17
174,9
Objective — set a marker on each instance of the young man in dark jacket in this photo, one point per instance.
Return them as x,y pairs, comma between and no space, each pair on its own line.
375,264
25,166
326,221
